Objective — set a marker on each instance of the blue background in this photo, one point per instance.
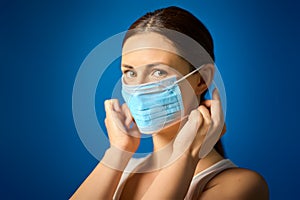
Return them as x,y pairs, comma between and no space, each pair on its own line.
43,44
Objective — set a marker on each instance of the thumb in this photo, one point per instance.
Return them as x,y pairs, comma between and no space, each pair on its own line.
195,119
188,132
127,114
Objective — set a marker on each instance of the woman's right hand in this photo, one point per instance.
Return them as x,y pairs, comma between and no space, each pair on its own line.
122,131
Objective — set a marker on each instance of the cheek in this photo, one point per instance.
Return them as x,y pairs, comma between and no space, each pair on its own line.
189,98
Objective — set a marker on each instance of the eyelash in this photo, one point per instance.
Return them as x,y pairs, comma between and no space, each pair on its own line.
161,71
126,71
164,73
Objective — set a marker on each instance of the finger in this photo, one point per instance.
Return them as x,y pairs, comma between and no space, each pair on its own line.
189,131
223,130
207,103
116,105
216,107
196,118
134,131
205,113
216,94
106,122
108,107
128,116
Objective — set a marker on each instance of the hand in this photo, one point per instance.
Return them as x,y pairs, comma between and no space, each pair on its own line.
123,133
202,130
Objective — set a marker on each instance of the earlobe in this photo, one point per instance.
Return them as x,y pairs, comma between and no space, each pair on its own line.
205,78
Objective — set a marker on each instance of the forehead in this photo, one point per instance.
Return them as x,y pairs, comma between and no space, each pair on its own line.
148,48
148,56
148,40
151,56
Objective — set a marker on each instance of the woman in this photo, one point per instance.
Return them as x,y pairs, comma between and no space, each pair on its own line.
165,97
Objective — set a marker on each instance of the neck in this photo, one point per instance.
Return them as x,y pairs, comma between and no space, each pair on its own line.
163,148
163,144
165,137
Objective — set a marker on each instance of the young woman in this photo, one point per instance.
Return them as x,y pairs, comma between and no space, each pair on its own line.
164,97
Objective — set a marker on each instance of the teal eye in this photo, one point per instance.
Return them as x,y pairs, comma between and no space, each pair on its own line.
159,73
130,74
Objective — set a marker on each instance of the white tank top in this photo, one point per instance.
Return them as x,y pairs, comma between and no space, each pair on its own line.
198,182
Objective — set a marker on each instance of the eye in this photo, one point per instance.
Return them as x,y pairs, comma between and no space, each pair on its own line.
158,73
130,74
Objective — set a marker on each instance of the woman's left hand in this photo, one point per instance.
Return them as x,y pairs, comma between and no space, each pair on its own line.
202,130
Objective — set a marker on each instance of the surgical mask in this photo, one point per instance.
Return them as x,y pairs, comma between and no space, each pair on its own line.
155,105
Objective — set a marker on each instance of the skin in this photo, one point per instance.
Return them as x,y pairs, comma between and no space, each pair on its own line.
230,184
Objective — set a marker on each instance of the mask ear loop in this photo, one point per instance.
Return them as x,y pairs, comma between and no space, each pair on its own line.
184,77
187,75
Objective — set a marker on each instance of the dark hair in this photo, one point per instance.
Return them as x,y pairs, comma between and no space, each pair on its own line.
180,20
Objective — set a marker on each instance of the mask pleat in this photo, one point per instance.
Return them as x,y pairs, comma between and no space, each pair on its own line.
155,104
159,111
143,102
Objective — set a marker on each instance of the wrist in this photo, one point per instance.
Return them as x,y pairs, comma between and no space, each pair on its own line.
193,155
116,158
126,145
188,156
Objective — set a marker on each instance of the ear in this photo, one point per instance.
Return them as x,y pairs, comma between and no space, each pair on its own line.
205,78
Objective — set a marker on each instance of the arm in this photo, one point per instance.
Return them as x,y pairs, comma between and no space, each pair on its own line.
236,184
103,180
124,140
173,181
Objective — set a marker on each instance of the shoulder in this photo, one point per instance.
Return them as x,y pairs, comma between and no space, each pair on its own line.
237,183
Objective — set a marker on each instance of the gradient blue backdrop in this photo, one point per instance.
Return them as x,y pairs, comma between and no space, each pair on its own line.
43,44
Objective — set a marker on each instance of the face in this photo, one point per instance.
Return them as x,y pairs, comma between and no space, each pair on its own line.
147,63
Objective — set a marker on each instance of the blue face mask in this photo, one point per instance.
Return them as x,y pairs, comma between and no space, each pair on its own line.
155,105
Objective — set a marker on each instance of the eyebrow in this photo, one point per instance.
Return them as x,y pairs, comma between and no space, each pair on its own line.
147,65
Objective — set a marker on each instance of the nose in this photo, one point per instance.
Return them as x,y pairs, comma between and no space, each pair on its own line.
142,75
142,79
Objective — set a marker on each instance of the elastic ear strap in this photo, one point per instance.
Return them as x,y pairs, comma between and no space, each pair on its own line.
184,77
